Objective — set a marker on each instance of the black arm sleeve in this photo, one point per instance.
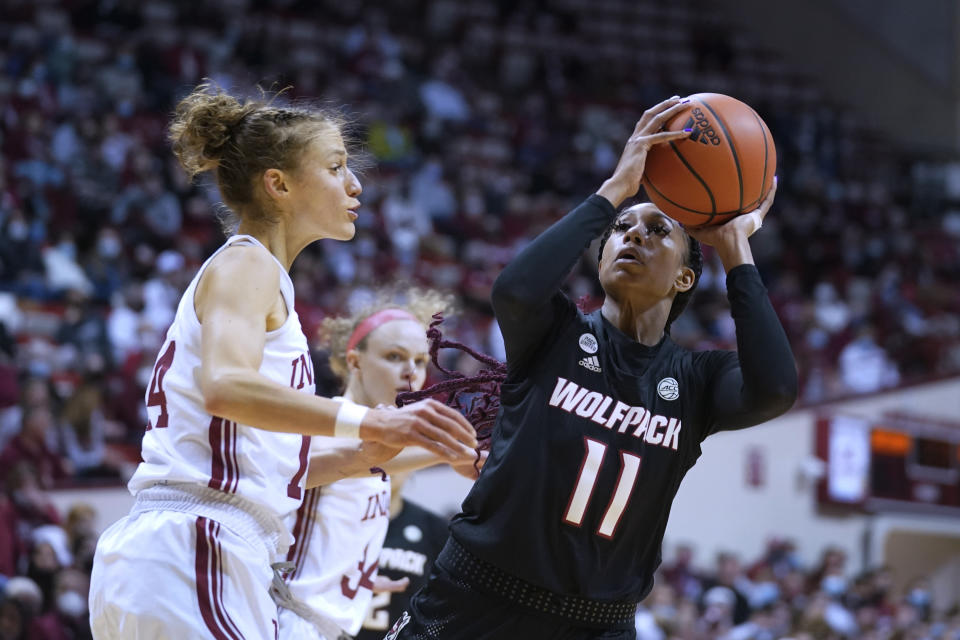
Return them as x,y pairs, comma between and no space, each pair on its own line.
525,294
764,385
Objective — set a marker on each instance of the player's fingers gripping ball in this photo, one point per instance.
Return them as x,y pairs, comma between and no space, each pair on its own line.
723,169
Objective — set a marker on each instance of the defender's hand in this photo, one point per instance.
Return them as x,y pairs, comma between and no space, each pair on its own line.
427,423
625,181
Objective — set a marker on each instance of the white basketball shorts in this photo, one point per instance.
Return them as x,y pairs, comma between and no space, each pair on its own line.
165,574
293,627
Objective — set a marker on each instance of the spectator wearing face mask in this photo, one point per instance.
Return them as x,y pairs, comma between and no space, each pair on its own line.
865,366
918,596
22,602
835,613
69,607
832,561
106,267
21,267
719,603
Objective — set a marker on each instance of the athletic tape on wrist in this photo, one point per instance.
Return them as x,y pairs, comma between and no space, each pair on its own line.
348,421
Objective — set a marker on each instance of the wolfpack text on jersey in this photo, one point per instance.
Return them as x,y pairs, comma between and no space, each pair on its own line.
619,417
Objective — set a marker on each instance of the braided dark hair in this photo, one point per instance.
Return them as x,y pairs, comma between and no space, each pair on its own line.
694,261
478,396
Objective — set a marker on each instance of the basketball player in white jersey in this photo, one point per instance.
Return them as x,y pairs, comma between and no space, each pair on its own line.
231,403
341,526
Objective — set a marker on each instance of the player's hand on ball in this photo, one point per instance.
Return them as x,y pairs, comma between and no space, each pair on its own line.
383,584
427,423
743,226
625,181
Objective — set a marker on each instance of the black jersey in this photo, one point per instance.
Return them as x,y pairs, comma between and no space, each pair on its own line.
414,538
596,430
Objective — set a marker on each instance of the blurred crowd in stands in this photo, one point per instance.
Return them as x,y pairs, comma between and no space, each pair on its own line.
777,597
479,123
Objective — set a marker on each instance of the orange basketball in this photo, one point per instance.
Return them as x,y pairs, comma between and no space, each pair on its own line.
723,169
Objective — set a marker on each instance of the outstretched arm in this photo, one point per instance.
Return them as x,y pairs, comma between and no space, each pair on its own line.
345,461
354,460
415,458
233,334
524,295
764,385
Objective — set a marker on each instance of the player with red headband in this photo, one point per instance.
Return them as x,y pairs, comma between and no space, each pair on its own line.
341,526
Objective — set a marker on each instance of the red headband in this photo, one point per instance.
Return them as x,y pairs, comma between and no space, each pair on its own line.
373,321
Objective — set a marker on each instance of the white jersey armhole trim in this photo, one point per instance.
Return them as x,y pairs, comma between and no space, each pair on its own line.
244,239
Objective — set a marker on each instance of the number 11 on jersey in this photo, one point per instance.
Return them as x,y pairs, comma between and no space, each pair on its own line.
586,482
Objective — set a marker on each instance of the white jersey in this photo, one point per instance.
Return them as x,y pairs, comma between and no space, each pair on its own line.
339,531
184,444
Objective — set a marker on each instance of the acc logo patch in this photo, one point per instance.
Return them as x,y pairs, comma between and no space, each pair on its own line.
412,533
668,389
400,624
589,343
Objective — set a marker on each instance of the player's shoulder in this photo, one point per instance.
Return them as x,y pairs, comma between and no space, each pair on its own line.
245,257
712,357
692,365
242,266
711,362
581,330
240,277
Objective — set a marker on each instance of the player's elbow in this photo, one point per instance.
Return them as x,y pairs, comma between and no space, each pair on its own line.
218,394
773,396
503,289
781,397
508,297
784,401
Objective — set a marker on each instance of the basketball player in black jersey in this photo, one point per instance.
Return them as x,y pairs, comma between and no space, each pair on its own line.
601,417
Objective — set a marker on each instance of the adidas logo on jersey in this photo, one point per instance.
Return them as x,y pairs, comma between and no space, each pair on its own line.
592,363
